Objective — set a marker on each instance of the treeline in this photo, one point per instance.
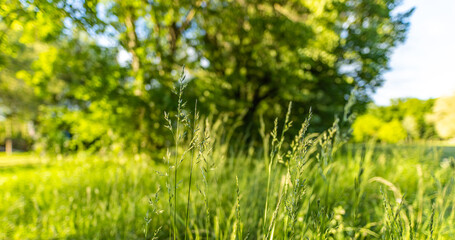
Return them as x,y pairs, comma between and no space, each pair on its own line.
99,74
407,120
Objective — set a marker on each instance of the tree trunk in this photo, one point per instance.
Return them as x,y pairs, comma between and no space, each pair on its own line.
9,146
8,140
132,46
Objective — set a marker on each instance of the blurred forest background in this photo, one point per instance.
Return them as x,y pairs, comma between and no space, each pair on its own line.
98,75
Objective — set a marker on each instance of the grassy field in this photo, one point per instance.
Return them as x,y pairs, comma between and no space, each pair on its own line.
208,186
365,192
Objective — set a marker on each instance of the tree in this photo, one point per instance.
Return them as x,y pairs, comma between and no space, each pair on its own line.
365,127
245,58
411,113
259,55
79,79
392,132
443,117
18,102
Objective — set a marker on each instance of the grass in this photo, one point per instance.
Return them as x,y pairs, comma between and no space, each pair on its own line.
307,186
362,193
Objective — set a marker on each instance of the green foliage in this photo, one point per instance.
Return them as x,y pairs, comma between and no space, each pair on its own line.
413,113
245,58
392,132
366,126
403,119
18,103
263,54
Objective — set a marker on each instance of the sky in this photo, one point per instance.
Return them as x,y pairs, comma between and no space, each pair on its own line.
424,66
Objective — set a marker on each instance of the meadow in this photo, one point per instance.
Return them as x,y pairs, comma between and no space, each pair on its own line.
305,186
102,145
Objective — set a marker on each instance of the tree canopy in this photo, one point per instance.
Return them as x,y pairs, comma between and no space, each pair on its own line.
101,73
443,117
